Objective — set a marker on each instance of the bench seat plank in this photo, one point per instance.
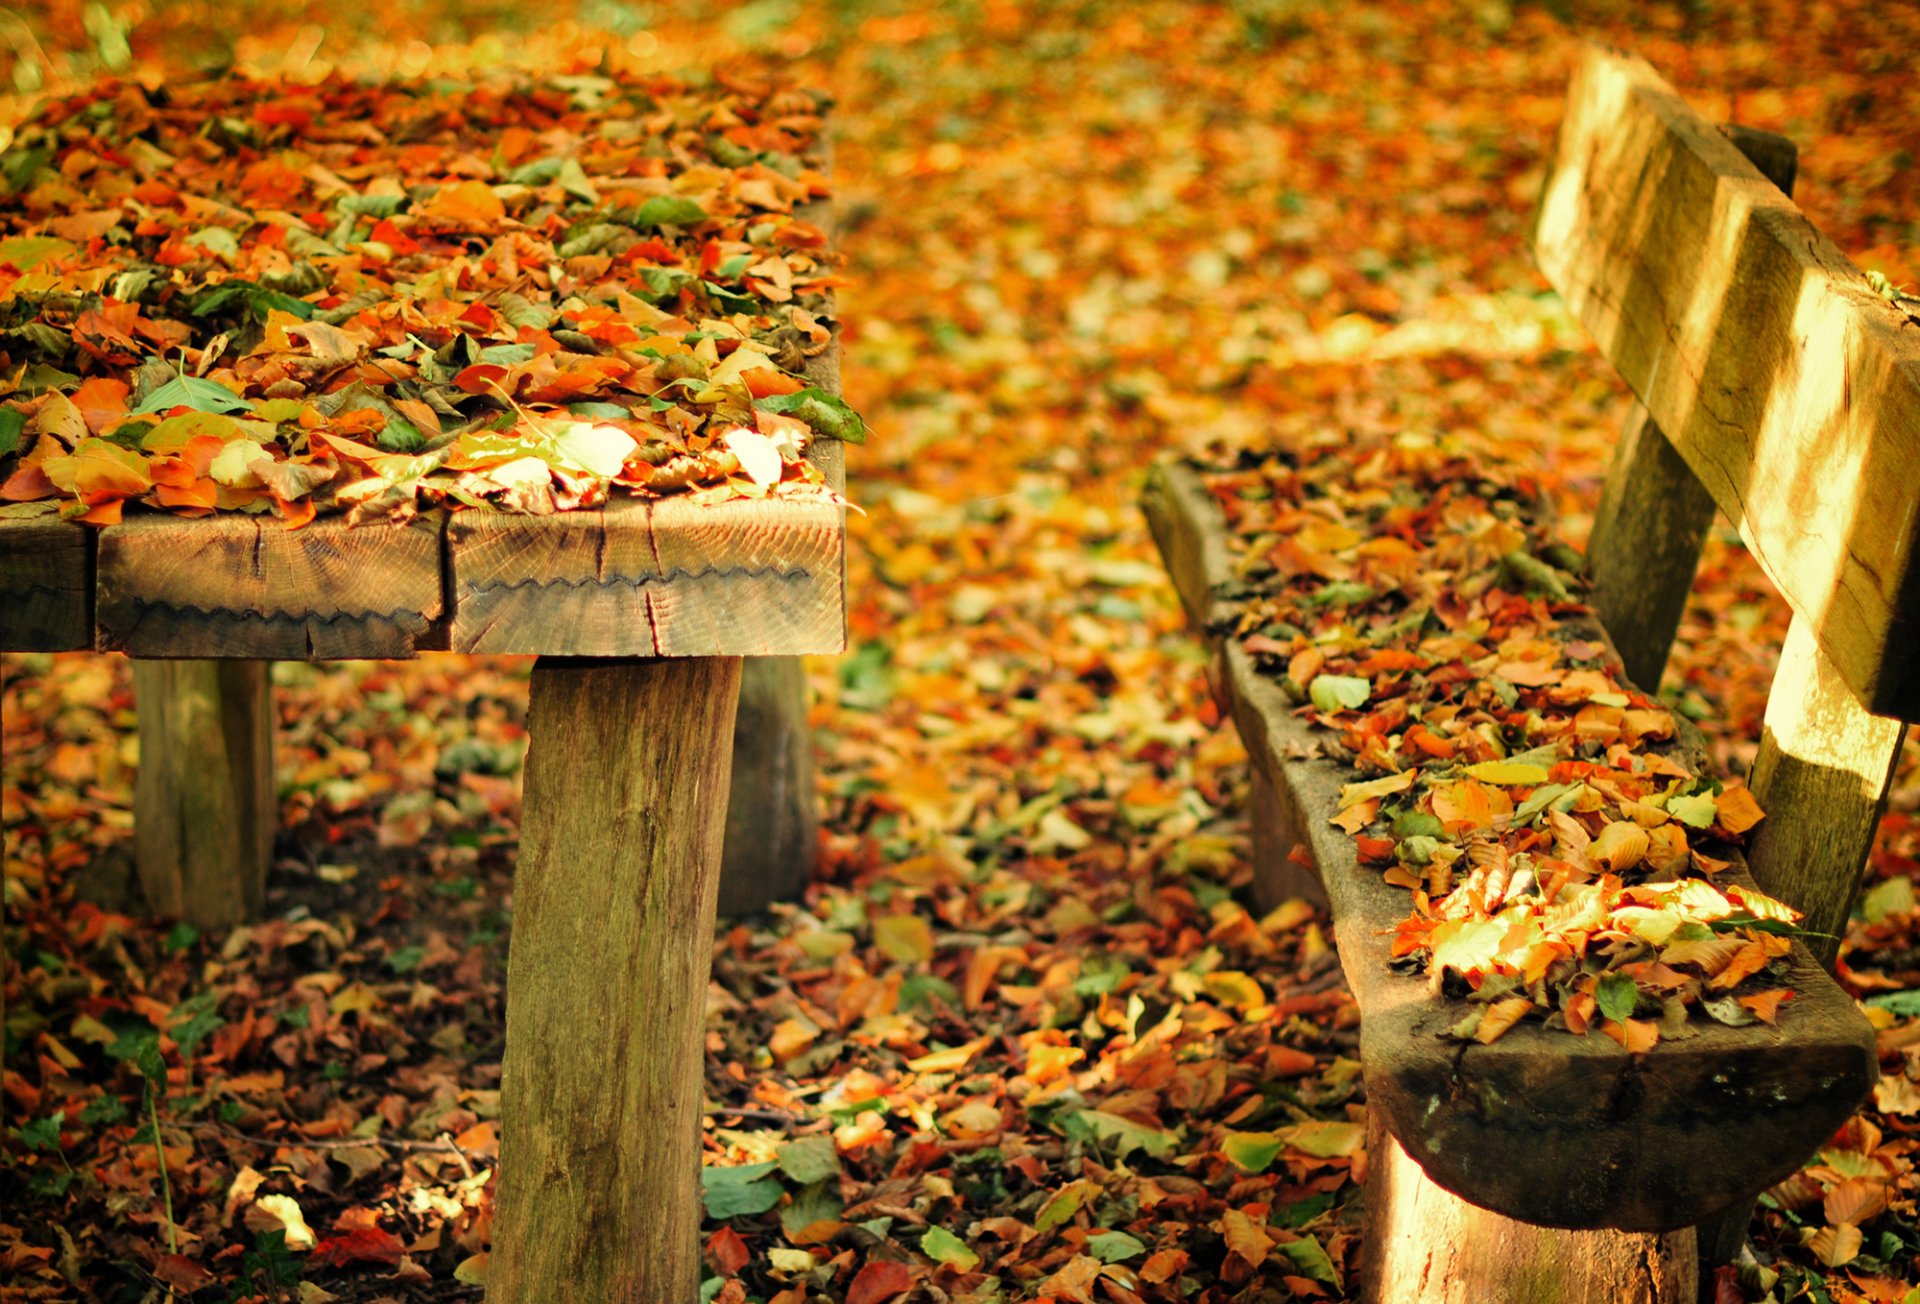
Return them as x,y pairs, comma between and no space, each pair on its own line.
46,586
246,586
1789,387
1542,1126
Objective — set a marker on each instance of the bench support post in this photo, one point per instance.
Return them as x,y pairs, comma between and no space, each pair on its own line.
1822,777
1429,1245
607,971
204,801
1277,830
773,822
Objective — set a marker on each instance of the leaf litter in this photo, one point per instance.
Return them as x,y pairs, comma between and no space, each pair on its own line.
1054,1051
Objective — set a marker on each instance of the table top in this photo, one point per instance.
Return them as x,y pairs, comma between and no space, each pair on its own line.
641,576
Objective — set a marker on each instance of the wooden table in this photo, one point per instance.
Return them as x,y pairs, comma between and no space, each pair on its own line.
640,614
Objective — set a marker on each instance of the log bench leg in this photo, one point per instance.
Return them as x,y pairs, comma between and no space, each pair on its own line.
607,970
1276,825
1428,1246
203,798
773,822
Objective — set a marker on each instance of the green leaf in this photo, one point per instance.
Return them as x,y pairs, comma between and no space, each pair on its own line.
808,1159
1904,1004
942,1246
1339,692
197,1021
598,411
29,251
730,300
1697,810
400,435
194,392
825,412
1123,1134
42,1134
12,423
138,1044
1617,995
1311,1259
1114,1247
1541,798
1065,1203
1341,593
816,1203
667,210
104,1111
738,1191
1252,1152
405,959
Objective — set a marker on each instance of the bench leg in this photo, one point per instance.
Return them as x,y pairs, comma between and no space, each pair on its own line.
1428,1246
773,822
607,970
203,799
1277,831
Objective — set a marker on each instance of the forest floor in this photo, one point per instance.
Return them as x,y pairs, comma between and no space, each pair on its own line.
996,1052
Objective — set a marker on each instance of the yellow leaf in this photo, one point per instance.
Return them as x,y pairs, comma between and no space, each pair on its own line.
285,1211
1620,846
1246,1236
1352,794
1508,773
1231,987
905,938
1835,1246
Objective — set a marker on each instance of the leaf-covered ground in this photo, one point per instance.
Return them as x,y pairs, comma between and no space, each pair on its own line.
1024,1038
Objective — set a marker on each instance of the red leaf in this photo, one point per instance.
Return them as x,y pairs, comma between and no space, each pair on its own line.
728,1252
878,1282
361,1245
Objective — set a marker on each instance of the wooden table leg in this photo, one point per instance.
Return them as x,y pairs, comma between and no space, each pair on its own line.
1428,1245
773,820
204,801
613,910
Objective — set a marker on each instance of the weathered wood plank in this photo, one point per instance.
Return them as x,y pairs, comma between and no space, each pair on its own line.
1661,1140
773,817
246,587
46,586
1654,513
1786,384
204,801
1822,776
626,793
1426,1244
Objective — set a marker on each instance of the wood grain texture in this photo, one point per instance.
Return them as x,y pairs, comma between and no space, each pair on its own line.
1822,775
1654,513
613,912
245,587
1273,818
204,802
773,815
1425,1245
46,586
1661,1140
1786,384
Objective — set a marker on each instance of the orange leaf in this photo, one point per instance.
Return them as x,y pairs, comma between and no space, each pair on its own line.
1767,1006
1736,810
1638,1035
470,202
1499,1017
1855,1201
1747,961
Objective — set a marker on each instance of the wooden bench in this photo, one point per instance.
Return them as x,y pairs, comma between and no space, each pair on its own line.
1778,388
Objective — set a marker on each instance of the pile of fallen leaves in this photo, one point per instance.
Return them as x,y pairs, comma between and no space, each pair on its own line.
1406,591
379,297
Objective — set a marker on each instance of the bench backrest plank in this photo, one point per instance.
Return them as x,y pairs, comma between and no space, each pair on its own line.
1784,382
